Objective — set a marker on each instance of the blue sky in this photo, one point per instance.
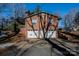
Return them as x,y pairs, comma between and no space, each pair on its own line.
54,8
61,8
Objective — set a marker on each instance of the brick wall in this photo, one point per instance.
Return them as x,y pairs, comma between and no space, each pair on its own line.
37,26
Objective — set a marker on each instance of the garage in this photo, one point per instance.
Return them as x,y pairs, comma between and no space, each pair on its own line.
35,34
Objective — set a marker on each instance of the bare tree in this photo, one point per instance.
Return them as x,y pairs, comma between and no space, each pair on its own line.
71,20
3,6
76,20
18,10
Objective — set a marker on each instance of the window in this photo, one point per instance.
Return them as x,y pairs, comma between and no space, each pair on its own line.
34,21
52,21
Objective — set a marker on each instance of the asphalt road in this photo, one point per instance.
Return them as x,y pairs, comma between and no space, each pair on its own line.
43,48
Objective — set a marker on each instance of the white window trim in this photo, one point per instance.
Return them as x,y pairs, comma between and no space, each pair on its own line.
34,21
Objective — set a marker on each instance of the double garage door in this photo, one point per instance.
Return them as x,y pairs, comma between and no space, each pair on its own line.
35,34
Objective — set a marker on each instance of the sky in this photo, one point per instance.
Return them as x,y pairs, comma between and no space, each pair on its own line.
55,8
61,8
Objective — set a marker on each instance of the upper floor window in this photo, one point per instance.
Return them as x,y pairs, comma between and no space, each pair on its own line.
50,21
34,21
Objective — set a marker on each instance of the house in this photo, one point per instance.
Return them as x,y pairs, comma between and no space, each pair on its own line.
38,24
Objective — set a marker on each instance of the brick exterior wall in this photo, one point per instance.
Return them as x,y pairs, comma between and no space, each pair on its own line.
39,17
37,26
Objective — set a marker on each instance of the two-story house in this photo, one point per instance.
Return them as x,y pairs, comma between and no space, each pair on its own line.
41,24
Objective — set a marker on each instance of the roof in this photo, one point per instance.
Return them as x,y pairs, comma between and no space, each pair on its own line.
44,13
21,20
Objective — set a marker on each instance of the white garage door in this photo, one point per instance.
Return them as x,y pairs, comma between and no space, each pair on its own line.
31,34
51,34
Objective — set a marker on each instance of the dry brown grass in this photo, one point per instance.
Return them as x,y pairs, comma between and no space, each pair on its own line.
17,39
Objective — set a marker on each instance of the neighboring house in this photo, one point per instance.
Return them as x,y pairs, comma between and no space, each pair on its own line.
34,25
